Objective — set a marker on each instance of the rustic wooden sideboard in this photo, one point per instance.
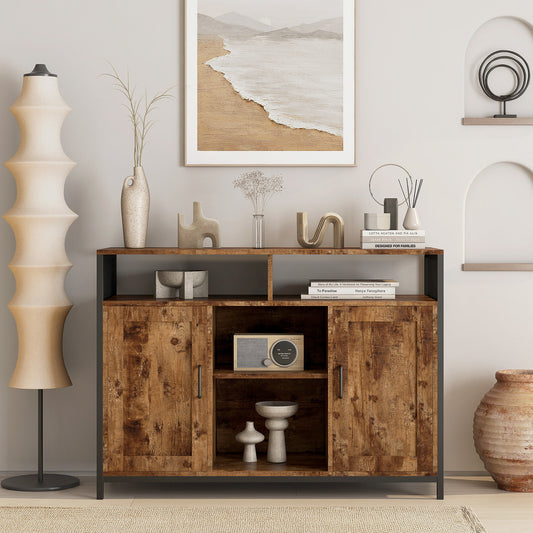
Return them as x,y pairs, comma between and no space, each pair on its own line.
370,396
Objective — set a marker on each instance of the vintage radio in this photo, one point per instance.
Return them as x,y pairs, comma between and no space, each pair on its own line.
269,352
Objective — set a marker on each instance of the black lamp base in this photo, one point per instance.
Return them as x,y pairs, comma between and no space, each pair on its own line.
31,482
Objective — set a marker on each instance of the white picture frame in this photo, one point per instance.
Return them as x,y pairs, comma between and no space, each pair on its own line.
199,152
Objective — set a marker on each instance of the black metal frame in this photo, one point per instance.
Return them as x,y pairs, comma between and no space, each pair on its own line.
433,287
106,279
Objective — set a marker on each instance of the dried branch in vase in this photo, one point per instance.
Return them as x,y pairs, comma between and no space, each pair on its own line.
139,109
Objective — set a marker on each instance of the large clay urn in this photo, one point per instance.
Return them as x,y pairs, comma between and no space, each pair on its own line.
503,430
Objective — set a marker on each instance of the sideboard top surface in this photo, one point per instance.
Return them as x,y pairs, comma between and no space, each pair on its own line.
264,251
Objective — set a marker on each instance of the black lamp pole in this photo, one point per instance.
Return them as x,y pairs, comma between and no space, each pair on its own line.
40,482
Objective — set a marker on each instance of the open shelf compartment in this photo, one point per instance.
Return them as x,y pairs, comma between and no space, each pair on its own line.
305,438
311,322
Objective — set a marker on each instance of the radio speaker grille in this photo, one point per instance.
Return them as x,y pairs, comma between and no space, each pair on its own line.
251,352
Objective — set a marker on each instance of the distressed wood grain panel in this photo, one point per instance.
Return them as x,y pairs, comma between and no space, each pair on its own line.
153,418
384,424
113,392
201,407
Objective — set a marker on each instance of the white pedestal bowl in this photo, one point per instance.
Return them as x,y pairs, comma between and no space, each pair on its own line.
276,413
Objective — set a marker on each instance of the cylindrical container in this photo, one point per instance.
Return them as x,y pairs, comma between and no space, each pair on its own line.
135,204
377,221
40,219
258,231
503,430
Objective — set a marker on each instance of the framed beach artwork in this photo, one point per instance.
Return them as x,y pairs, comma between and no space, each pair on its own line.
270,82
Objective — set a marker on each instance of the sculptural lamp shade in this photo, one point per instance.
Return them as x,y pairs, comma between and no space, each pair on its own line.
40,219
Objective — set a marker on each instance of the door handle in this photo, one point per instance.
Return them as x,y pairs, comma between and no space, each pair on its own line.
199,381
341,378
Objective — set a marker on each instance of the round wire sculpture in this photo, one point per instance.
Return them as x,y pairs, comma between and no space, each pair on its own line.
519,68
379,168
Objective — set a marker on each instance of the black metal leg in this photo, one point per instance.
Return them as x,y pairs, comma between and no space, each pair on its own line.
99,486
440,487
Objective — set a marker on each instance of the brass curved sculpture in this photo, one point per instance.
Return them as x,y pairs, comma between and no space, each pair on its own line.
329,218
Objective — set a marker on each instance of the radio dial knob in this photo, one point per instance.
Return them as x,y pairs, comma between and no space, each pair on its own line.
267,362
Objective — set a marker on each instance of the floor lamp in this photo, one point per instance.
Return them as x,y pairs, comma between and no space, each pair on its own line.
40,219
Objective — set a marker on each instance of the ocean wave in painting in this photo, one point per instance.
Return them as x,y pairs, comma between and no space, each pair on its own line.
298,81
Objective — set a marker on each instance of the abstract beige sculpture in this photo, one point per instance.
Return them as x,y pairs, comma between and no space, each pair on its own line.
40,219
193,235
176,283
318,237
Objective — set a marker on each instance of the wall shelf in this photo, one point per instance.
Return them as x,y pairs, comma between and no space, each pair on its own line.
498,267
491,121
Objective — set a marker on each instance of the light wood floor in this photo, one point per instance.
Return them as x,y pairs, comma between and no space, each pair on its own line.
499,511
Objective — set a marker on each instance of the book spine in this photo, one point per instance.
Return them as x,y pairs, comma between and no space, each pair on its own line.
361,284
352,290
393,246
348,296
410,238
393,233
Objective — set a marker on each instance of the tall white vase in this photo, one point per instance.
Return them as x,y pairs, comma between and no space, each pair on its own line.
40,219
135,205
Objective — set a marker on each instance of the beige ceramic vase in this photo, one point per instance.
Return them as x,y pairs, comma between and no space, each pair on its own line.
503,430
135,205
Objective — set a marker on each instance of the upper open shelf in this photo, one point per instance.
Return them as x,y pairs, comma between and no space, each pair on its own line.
264,251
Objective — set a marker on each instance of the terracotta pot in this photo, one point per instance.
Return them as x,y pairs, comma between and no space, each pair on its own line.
503,430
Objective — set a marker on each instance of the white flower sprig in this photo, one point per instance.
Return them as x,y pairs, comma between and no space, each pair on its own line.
258,188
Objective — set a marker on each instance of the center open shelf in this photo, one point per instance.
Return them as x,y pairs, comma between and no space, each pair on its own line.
306,436
304,464
306,374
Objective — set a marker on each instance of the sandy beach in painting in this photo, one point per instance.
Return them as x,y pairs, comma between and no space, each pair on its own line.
227,122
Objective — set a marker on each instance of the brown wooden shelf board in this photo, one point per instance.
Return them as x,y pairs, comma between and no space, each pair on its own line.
259,301
263,251
296,465
306,374
491,121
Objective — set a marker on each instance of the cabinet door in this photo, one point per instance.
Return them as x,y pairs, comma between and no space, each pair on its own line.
154,420
386,421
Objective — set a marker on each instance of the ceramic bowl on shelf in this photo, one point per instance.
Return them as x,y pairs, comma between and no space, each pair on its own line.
276,409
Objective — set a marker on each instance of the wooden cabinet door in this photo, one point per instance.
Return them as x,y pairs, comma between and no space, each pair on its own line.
386,421
154,419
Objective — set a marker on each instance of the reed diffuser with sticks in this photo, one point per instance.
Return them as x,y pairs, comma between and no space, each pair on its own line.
411,194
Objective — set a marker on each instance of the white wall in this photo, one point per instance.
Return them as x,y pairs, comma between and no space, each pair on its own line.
410,84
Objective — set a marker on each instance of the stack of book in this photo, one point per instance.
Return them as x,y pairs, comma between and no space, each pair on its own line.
351,289
393,239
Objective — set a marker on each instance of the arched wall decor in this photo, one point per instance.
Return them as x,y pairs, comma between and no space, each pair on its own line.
478,108
506,219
